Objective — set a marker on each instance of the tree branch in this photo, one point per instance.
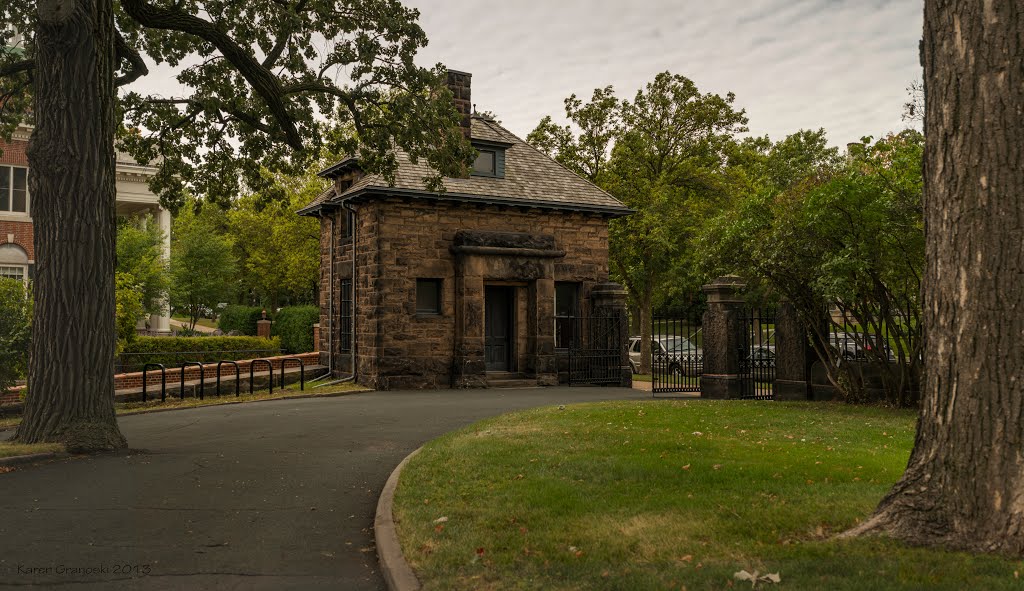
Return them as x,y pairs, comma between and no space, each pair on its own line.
263,82
136,66
17,68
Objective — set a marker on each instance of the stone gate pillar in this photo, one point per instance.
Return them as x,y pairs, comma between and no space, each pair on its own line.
723,338
793,355
608,300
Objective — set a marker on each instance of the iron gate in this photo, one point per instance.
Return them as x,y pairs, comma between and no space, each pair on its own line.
757,354
677,354
595,347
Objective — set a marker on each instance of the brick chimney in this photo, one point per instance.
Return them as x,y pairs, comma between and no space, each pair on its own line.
459,83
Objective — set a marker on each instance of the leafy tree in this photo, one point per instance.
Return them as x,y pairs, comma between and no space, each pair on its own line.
587,152
962,487
140,255
202,263
15,329
264,83
129,307
822,232
668,164
278,252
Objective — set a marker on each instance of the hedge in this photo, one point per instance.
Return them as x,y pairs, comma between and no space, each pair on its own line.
294,325
241,319
173,351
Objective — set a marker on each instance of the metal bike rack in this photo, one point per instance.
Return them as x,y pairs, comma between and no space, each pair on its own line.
163,380
202,377
237,377
302,372
252,373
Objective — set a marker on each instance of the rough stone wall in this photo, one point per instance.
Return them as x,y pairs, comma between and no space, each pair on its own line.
399,241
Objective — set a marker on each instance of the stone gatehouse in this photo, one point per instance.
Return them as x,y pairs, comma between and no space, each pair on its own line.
466,288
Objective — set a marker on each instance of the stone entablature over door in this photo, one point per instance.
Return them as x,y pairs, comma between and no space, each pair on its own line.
493,258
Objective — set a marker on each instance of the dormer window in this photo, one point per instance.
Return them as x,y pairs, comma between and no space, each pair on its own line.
484,163
490,159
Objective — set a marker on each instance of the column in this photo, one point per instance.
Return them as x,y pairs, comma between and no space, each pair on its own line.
161,323
608,304
723,338
793,355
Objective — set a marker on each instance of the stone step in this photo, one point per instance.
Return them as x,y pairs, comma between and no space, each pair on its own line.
511,383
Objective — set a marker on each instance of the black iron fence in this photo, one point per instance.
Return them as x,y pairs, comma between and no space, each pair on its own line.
136,362
757,354
677,355
595,348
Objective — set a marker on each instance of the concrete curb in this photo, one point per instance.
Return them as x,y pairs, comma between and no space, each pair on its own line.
31,458
396,570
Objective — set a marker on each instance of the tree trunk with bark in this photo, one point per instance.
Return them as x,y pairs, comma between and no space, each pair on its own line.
964,484
71,178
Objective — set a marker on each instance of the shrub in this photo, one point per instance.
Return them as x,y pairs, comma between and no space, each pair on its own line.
295,327
173,351
241,319
15,330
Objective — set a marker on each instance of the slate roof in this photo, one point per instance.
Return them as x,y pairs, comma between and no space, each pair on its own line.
531,178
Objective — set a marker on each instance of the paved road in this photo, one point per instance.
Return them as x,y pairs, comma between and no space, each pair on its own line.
273,495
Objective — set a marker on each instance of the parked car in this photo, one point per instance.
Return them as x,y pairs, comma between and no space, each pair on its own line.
850,348
675,355
762,354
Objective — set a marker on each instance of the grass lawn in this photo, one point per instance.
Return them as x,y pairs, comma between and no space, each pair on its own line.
670,495
291,391
8,450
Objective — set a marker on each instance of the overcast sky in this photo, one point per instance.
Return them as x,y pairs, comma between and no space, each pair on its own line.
839,64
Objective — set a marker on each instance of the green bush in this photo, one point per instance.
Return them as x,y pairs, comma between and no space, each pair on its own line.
15,330
241,319
173,351
294,325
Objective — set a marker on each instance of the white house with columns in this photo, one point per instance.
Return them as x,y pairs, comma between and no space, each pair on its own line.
17,251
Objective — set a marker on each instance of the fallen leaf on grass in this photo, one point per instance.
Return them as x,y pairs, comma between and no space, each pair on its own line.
756,577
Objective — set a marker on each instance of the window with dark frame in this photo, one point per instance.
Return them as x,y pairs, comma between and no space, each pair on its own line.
428,296
349,221
13,189
485,163
567,311
346,315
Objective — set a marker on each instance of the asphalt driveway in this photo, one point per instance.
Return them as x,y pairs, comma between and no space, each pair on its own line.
272,495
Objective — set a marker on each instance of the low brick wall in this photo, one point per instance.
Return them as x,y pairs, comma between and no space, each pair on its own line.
123,381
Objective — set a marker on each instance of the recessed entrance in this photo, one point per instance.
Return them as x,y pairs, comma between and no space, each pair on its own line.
498,327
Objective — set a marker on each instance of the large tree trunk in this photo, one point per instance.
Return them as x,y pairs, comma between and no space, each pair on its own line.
71,176
964,484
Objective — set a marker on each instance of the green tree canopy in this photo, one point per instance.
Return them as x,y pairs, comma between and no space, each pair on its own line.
140,255
15,325
265,84
850,235
278,252
203,266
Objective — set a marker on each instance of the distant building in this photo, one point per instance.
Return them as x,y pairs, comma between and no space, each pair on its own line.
17,250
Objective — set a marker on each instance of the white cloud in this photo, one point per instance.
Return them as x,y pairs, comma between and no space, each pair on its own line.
838,64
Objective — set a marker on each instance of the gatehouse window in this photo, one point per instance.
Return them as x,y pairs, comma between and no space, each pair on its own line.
346,315
428,296
567,311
